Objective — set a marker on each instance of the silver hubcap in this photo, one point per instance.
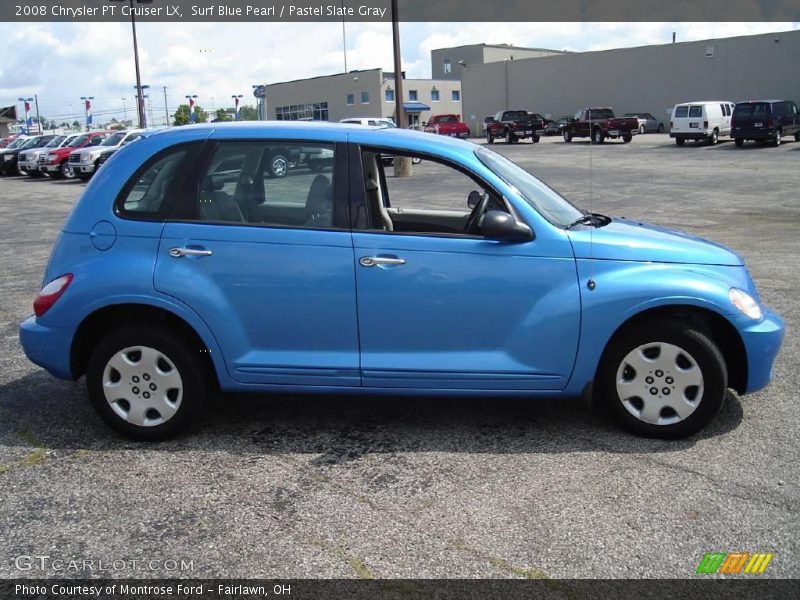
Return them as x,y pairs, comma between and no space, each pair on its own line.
659,383
142,386
279,167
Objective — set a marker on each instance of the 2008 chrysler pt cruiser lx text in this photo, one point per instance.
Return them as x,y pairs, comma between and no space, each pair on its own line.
282,257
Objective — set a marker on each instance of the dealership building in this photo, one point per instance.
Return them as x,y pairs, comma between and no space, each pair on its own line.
645,79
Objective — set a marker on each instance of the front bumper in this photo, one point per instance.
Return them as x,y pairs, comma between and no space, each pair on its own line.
83,168
48,347
762,341
49,168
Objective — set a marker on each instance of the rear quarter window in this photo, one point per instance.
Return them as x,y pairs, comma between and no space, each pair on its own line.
681,112
695,112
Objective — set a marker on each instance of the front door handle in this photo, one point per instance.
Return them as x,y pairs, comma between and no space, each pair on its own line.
373,261
180,252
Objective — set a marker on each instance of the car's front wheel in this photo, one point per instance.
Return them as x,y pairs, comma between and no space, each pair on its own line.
663,379
278,165
145,382
567,135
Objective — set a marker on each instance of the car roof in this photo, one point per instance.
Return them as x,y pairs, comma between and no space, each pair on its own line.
770,101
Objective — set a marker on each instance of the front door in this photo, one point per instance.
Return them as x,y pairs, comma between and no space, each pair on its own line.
440,308
262,254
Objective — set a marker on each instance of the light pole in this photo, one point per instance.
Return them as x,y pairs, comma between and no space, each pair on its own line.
402,165
140,102
140,96
87,104
192,102
124,110
236,99
26,105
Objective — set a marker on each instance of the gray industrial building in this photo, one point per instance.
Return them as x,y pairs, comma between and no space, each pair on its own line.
367,93
446,63
646,79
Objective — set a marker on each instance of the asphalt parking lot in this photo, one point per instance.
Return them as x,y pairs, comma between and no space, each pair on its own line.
365,487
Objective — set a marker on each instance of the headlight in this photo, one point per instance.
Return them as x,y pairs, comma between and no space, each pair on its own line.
745,303
8,157
86,158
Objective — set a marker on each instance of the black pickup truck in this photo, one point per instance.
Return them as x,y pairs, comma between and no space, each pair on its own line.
514,125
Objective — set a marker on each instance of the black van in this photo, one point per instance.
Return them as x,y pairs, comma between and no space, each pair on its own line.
764,120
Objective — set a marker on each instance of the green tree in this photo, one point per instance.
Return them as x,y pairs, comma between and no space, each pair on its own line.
222,114
248,113
182,114
76,125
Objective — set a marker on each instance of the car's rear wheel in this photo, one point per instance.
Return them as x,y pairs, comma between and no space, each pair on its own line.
627,138
510,137
739,142
278,165
598,137
663,379
660,128
145,382
680,141
714,137
797,136
567,135
642,129
535,139
776,141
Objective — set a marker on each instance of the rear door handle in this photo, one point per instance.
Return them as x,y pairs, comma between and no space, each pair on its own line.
373,261
180,252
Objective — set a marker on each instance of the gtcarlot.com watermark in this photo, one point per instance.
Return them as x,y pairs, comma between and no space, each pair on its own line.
47,564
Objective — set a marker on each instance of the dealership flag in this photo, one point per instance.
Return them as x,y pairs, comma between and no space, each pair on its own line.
192,116
28,117
237,108
88,113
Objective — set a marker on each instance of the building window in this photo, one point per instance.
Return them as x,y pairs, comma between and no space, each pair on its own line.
390,95
446,66
456,94
434,95
351,99
412,95
317,111
364,97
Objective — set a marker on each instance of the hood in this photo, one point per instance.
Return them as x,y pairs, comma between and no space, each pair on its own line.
630,240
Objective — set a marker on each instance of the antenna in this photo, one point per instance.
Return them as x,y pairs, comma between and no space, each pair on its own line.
591,283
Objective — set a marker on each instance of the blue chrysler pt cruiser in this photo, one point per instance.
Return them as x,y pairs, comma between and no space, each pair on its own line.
287,257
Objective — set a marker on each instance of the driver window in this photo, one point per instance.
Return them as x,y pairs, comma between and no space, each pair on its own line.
435,199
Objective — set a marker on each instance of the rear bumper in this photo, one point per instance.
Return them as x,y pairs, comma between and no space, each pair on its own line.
762,341
48,347
764,134
700,134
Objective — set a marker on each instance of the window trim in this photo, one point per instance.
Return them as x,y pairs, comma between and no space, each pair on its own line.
357,186
176,189
347,98
362,97
185,209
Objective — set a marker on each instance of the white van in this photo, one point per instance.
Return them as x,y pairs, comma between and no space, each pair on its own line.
707,120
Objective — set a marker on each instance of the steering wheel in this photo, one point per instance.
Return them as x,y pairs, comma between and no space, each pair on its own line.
475,216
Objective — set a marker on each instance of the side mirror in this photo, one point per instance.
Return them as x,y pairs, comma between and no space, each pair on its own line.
499,225
424,123
474,198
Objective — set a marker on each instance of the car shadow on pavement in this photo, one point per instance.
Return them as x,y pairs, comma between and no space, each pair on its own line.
39,411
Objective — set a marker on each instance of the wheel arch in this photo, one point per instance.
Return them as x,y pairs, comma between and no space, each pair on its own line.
100,322
713,324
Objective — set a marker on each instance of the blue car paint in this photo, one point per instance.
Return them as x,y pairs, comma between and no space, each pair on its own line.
546,341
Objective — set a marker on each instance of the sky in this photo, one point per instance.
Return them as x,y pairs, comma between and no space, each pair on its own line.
60,62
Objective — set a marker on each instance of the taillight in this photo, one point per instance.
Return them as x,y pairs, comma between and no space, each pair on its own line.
50,293
770,124
670,124
705,124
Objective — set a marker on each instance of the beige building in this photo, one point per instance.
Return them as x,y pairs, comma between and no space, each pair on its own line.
367,93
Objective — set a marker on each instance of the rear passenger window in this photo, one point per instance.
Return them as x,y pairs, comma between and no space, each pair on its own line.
146,196
695,112
681,112
268,183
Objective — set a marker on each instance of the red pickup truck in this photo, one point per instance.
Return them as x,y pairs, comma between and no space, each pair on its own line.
447,125
55,164
599,124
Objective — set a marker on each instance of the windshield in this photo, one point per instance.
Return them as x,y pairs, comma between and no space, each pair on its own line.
17,143
56,141
386,123
114,139
546,201
79,140
514,114
30,143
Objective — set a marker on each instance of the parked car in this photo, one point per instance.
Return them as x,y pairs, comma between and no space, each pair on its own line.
56,162
83,161
599,124
765,120
647,122
28,160
447,125
556,127
514,125
388,159
9,164
4,143
165,284
701,121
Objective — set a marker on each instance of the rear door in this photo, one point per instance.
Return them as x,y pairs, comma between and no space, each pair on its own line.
267,263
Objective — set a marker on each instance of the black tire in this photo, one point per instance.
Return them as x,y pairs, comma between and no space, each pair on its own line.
489,138
510,137
660,128
415,160
567,135
535,139
627,138
714,137
776,141
797,136
642,129
316,166
187,359
65,171
690,340
278,165
680,141
739,142
598,137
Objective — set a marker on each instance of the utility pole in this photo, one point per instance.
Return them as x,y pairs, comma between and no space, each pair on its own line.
38,118
402,165
166,108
